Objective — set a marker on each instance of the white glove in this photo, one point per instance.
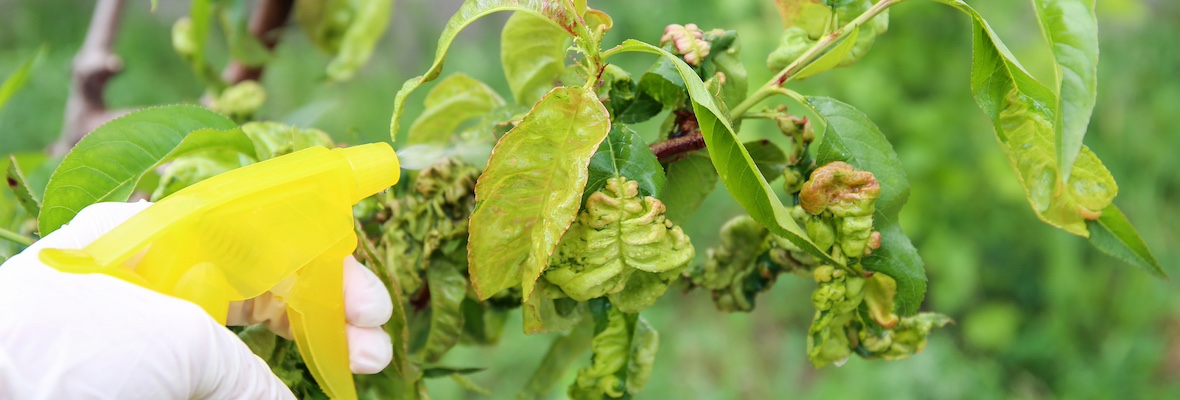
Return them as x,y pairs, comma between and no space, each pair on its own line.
92,336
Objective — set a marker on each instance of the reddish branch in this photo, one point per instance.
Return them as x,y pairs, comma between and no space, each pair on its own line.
93,66
684,139
265,24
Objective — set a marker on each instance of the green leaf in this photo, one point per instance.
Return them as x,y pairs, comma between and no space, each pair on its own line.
200,19
243,46
733,163
1024,113
532,51
455,100
20,187
625,154
768,157
532,189
663,83
17,78
544,314
107,163
831,59
557,12
368,25
448,287
442,372
690,180
464,382
1114,235
1072,30
562,354
851,137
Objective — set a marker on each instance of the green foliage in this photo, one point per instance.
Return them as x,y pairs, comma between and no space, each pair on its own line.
1072,30
1026,115
852,138
530,191
623,348
20,187
141,141
1114,235
532,50
348,29
689,181
624,153
448,288
585,160
808,20
733,163
454,101
17,78
563,352
620,246
554,11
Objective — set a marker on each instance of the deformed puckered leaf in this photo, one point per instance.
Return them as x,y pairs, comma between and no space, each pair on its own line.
559,12
448,287
455,100
531,190
690,180
532,51
1072,30
20,188
1024,113
618,236
625,154
851,137
273,139
624,349
549,310
107,163
1114,235
734,165
188,170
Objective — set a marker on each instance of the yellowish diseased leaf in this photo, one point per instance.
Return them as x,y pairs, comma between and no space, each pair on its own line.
530,192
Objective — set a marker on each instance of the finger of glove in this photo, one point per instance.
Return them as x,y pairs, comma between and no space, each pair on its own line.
232,370
90,223
366,301
369,349
86,334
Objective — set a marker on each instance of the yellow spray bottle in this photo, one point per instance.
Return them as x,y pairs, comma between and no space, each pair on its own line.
283,225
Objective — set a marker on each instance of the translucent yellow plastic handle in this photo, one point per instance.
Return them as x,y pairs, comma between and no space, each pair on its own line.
282,225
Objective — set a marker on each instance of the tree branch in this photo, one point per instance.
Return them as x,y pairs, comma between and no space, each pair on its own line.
673,149
93,66
684,139
265,25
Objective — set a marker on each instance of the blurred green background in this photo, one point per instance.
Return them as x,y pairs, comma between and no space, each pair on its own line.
1039,313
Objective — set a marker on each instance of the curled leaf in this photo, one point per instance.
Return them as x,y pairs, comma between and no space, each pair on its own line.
558,12
530,192
455,100
618,235
623,348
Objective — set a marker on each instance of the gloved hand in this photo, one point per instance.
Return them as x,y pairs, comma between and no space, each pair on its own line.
82,336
